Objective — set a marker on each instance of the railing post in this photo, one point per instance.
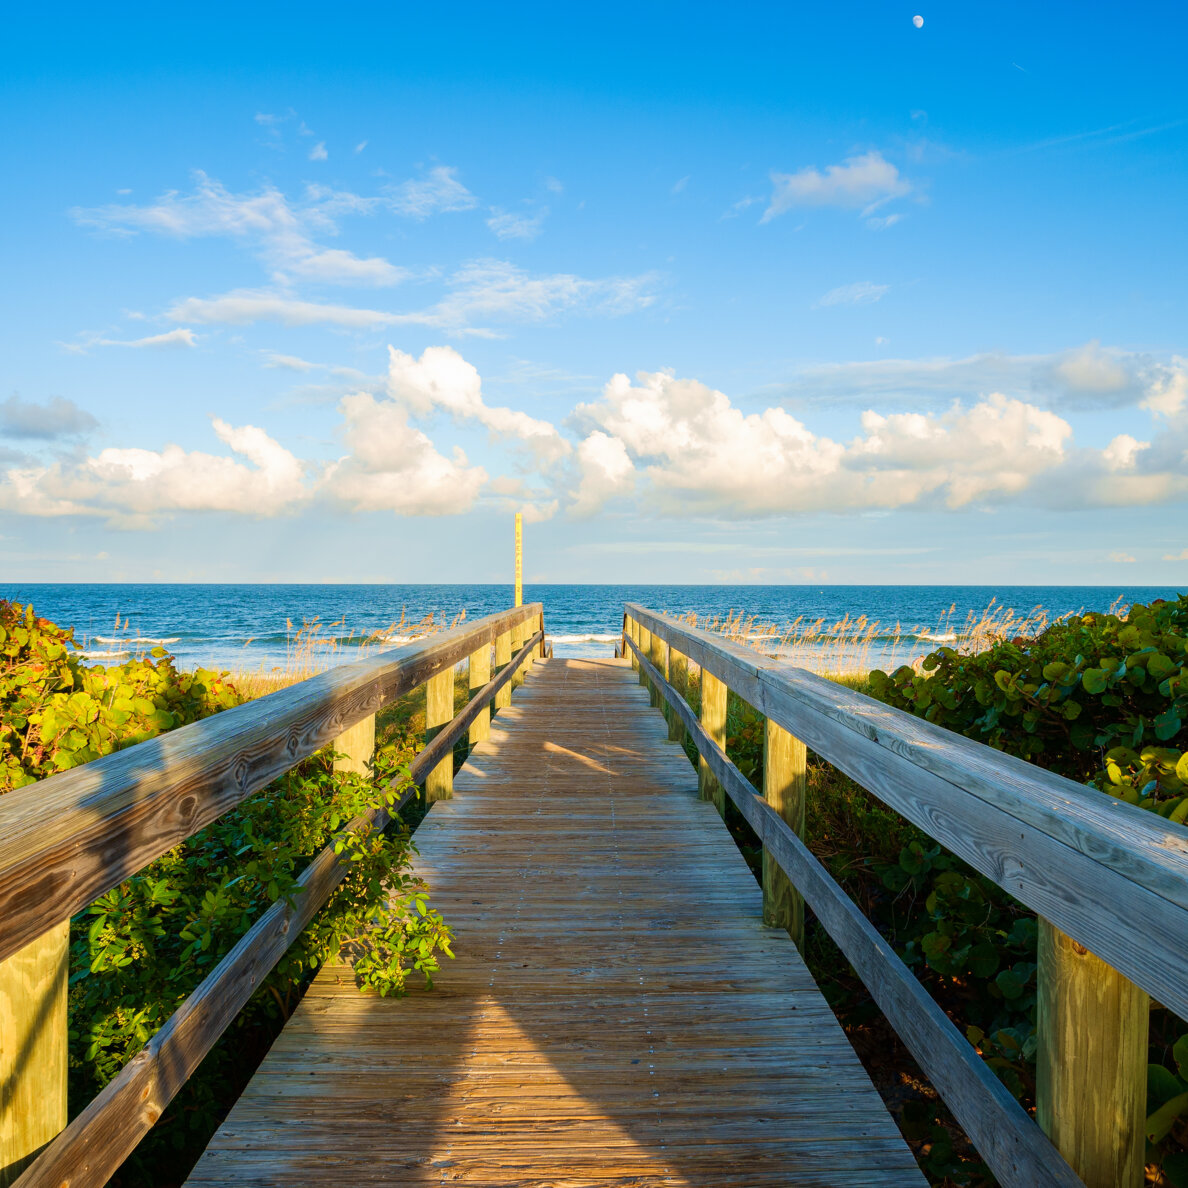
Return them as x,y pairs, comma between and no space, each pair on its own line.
633,635
713,719
517,642
529,632
479,670
503,655
33,984
1091,1063
784,767
645,646
356,746
439,712
678,678
659,657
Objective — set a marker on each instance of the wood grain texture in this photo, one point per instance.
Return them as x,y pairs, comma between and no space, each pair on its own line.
503,654
33,986
356,746
67,839
658,654
1091,1065
518,635
1015,1149
93,1146
617,1014
784,770
439,712
478,674
678,675
713,722
1091,864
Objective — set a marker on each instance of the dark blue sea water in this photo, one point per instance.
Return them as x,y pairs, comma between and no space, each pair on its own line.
252,627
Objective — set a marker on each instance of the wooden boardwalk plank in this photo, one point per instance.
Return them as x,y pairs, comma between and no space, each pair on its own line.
617,1014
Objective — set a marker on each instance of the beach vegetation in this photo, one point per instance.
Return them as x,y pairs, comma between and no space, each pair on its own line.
1100,698
138,951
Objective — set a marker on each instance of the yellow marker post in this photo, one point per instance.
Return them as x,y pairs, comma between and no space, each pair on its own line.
519,559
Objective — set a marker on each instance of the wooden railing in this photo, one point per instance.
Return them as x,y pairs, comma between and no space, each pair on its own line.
1108,881
68,839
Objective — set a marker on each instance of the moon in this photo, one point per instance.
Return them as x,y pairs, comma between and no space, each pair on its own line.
918,21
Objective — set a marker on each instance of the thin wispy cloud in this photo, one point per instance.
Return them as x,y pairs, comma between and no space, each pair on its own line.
1105,135
508,225
436,192
282,232
859,293
1083,378
318,152
477,294
180,337
866,181
45,421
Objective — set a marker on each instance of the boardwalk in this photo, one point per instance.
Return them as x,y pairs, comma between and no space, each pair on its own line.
617,1014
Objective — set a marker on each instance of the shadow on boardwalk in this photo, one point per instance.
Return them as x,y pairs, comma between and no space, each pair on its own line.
617,1013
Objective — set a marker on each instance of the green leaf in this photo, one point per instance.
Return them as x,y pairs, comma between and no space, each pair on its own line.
1163,1119
1180,1055
1010,984
1175,1169
1167,724
1162,1085
1093,680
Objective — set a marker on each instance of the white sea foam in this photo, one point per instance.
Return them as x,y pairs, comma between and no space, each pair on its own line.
586,638
944,637
102,655
136,641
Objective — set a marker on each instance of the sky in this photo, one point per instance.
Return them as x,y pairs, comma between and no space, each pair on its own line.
767,293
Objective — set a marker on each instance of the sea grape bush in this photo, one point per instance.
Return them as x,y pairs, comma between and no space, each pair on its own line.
140,950
56,713
1098,698
1101,699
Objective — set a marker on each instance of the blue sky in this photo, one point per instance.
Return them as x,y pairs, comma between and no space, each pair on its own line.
773,293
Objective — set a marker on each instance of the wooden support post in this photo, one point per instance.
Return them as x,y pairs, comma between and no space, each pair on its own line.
784,764
32,1048
503,655
479,668
518,635
678,678
1091,1064
632,634
713,719
540,627
659,657
645,646
356,746
530,629
439,712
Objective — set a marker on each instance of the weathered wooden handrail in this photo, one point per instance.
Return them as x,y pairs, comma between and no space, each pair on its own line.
69,838
1107,874
92,1147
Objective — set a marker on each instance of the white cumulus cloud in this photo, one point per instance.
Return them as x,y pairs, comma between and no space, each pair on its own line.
262,479
395,467
441,380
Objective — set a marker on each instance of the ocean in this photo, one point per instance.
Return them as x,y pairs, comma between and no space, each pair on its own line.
261,628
